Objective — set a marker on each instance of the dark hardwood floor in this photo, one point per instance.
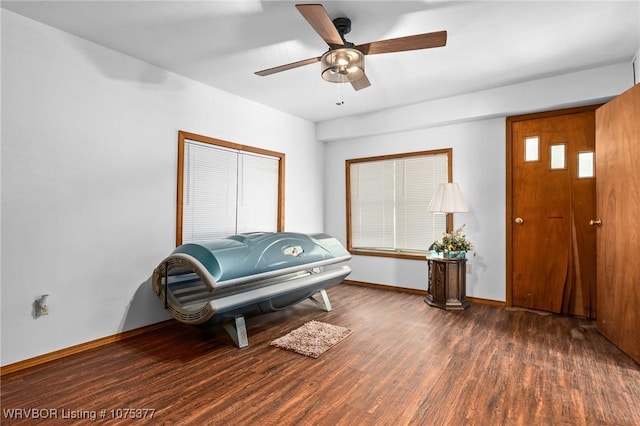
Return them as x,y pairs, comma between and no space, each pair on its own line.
404,364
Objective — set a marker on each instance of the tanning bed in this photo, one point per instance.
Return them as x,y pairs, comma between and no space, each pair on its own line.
222,280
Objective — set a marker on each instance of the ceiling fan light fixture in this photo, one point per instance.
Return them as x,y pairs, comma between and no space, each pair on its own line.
342,65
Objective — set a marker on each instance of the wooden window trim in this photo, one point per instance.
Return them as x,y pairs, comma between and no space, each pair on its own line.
182,136
397,255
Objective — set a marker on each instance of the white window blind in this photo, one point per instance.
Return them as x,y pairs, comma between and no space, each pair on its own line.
227,191
257,193
388,203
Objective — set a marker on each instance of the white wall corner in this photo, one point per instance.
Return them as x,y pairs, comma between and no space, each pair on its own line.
636,67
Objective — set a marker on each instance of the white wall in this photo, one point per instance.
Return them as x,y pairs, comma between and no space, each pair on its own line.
479,169
89,142
474,126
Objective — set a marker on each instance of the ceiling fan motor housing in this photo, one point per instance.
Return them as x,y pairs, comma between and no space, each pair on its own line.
343,25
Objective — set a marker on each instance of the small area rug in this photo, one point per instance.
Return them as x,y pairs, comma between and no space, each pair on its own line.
312,339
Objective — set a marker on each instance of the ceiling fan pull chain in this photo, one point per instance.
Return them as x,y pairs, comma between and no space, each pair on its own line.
340,84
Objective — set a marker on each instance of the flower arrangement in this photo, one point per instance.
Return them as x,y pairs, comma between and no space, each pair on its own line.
455,241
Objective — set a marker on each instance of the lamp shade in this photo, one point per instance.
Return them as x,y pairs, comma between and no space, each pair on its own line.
447,199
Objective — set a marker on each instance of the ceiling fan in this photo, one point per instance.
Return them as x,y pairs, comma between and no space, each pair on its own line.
344,61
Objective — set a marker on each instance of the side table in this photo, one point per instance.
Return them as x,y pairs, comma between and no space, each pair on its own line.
446,287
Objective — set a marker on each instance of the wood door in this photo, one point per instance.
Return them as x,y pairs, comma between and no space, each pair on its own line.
618,194
551,260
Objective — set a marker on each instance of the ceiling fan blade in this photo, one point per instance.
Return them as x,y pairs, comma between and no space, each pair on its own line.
319,19
292,65
403,44
361,83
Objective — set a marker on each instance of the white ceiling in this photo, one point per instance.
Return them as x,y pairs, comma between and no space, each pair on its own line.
222,43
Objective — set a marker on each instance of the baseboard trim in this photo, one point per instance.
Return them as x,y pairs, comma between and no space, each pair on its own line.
491,302
386,287
478,300
52,356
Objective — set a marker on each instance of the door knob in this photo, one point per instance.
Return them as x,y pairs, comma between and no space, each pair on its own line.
519,221
596,222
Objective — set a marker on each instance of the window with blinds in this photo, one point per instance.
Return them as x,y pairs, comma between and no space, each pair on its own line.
387,200
226,189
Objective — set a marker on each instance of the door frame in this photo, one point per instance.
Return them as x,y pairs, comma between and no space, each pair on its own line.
509,184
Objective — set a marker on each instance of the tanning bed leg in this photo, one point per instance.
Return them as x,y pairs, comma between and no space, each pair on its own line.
324,304
238,331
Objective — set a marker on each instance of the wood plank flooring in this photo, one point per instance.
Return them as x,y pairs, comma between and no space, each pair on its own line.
404,364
